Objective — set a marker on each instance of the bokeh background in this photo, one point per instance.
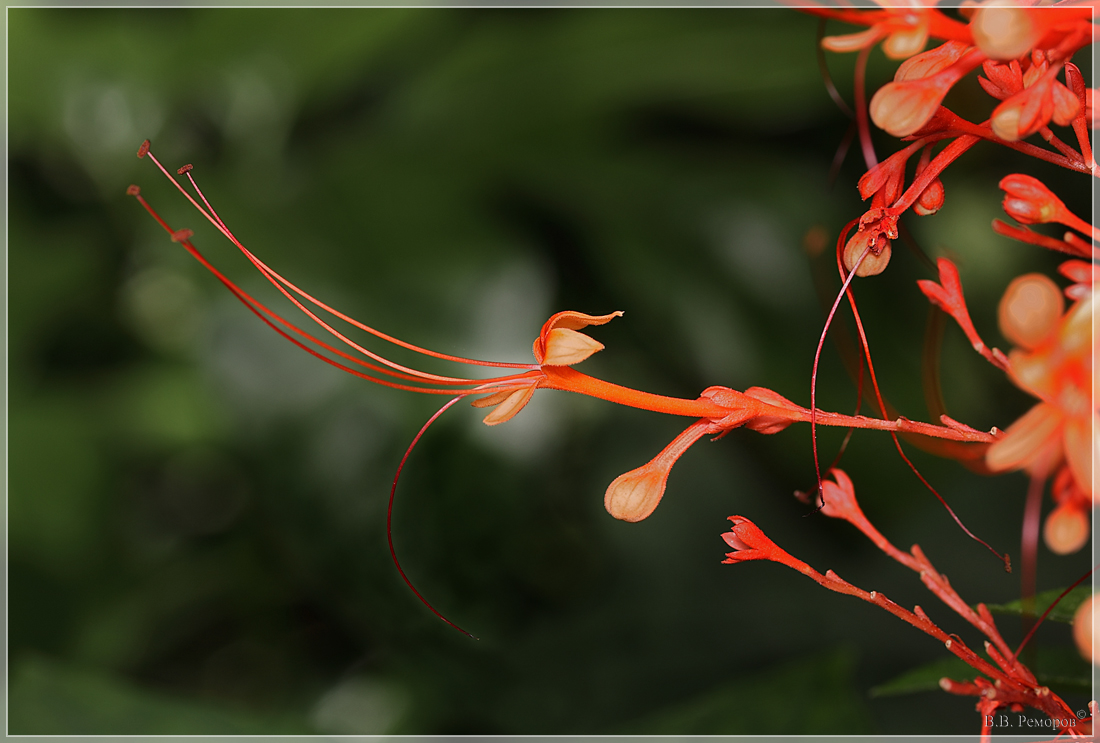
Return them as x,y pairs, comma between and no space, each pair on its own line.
196,515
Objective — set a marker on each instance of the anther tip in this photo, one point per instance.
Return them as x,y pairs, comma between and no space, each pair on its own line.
132,190
180,235
184,169
143,149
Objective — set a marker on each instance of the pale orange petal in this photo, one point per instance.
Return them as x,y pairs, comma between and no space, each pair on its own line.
564,347
1026,439
1082,443
567,320
577,320
904,44
509,406
851,42
1084,630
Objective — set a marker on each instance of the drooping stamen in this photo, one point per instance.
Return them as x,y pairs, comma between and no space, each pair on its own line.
389,516
817,355
897,443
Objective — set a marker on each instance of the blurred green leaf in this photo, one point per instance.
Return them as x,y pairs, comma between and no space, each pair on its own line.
1063,612
814,696
1058,668
47,698
924,678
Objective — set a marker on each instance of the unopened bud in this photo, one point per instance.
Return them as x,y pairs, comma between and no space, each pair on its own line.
903,108
1028,201
635,495
1003,32
1084,631
1066,529
873,247
1030,309
930,200
930,62
906,43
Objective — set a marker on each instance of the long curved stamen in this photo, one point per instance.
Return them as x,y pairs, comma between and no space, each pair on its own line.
389,516
280,282
817,356
270,318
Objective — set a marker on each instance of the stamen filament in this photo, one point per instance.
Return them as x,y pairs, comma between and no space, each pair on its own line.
277,279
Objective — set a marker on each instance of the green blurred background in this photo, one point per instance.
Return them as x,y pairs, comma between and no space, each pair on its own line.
196,511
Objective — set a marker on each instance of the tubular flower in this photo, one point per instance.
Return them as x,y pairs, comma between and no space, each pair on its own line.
1053,362
559,346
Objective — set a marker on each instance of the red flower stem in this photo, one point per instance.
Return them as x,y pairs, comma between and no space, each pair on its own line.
1052,139
940,162
865,143
1023,234
959,126
1029,550
1069,219
1081,129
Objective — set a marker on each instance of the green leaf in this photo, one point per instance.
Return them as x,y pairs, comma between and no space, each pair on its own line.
1063,612
1060,668
828,702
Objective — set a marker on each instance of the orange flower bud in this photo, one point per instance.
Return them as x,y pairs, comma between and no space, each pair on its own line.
1084,631
903,108
907,42
930,200
1028,201
930,62
1004,32
877,249
1030,309
1066,529
635,495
